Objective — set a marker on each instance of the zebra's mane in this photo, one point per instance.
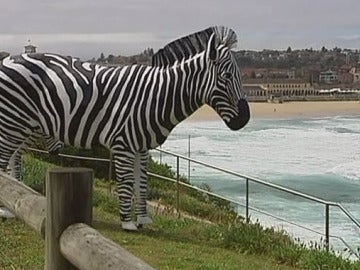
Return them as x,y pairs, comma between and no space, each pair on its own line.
188,46
3,55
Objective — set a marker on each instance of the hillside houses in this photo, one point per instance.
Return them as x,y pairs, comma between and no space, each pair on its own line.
323,68
279,74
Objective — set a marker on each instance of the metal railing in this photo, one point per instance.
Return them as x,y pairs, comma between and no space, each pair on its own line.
248,180
273,186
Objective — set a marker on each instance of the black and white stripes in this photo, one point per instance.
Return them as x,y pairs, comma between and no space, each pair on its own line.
128,109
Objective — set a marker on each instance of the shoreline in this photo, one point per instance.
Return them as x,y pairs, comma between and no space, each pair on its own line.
296,109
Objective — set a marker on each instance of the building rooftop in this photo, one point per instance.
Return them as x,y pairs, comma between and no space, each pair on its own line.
29,48
272,80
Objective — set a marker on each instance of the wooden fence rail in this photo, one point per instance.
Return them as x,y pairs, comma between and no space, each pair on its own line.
63,218
24,202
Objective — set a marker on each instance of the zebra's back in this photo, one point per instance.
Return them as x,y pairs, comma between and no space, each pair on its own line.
75,102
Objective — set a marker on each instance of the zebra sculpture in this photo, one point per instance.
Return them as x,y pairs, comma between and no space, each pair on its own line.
129,109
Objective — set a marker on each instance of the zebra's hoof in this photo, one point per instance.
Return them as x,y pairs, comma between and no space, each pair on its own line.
5,213
144,220
129,226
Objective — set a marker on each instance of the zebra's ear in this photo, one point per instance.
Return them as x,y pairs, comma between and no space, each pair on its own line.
211,50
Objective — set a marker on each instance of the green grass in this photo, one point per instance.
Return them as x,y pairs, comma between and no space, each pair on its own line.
20,246
172,243
168,244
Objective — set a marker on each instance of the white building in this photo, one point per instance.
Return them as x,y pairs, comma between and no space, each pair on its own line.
29,48
328,77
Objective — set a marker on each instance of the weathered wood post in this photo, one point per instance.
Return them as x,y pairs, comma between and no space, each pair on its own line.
69,201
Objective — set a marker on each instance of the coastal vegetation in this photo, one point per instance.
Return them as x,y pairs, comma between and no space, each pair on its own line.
227,242
308,58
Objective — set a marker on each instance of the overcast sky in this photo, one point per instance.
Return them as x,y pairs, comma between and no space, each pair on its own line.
85,28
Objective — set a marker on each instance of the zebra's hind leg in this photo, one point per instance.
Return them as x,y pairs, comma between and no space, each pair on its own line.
8,149
124,168
140,188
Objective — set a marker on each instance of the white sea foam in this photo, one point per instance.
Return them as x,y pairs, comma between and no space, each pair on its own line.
300,147
349,170
312,155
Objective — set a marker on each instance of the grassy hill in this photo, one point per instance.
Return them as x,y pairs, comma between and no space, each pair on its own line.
171,242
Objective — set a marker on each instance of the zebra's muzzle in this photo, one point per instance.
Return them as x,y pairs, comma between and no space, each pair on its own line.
243,118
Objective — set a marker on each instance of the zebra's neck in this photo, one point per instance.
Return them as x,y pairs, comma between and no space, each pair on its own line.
185,87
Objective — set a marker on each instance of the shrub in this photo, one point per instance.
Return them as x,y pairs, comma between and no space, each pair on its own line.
34,173
254,239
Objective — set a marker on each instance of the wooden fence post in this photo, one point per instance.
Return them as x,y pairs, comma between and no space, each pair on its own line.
69,201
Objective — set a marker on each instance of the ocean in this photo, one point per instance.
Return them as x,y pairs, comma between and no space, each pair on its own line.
316,156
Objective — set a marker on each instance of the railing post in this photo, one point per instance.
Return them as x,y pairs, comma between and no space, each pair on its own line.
110,173
69,201
247,201
110,166
327,223
189,153
160,157
178,185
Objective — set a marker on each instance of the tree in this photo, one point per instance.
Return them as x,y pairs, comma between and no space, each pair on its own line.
111,59
102,57
288,50
337,49
149,52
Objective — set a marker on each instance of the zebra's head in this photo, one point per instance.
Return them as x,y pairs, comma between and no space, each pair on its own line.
223,88
227,96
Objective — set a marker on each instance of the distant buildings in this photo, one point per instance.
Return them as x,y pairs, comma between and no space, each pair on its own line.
29,48
311,82
356,74
328,77
282,90
346,77
268,89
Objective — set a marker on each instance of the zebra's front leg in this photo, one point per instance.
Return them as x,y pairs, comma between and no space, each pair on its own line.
140,177
10,151
124,168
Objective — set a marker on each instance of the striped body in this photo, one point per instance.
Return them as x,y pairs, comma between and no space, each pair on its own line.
129,109
108,103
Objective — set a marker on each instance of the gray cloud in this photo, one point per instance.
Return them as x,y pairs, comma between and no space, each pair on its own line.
87,27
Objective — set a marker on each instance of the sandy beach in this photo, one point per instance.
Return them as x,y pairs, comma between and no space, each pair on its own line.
288,110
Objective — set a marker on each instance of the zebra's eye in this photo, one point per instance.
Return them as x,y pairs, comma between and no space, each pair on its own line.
227,76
